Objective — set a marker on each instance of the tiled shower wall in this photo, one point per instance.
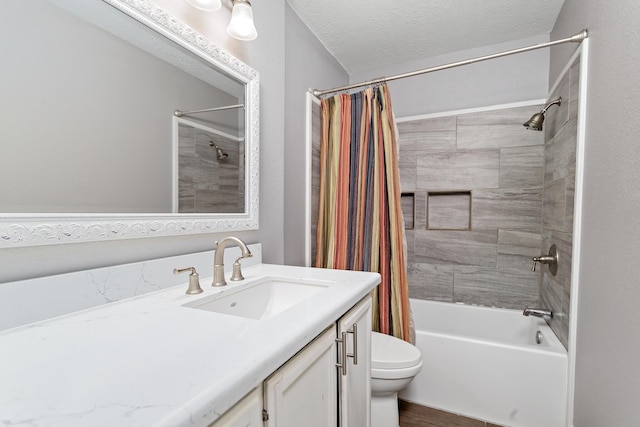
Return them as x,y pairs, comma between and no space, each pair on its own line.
560,132
207,184
473,193
482,197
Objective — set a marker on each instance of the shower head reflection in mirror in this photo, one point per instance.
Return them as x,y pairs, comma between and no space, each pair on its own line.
208,169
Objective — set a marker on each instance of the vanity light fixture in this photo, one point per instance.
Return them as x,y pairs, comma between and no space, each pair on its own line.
241,25
206,5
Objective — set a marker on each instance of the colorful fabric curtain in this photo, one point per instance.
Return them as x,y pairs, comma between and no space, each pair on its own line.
360,223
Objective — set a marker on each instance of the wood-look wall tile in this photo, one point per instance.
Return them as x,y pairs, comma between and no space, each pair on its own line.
574,90
507,209
570,194
410,240
430,281
407,170
315,177
564,245
560,153
564,321
551,297
557,115
497,129
478,247
186,140
517,248
553,209
522,167
428,134
462,170
421,210
502,288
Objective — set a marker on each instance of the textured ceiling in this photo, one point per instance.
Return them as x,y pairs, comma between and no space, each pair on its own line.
370,34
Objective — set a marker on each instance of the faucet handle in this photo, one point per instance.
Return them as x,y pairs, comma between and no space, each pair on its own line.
237,273
535,261
194,280
551,260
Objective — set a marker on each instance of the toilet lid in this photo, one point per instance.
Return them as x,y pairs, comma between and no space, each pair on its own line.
389,352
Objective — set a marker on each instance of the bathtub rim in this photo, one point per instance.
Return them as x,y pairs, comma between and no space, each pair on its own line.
555,348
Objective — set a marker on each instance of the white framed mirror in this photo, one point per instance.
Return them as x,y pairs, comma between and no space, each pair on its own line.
91,93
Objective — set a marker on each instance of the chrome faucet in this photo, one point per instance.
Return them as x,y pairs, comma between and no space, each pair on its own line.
537,312
218,261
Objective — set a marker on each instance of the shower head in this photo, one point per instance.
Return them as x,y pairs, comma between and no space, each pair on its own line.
535,122
219,153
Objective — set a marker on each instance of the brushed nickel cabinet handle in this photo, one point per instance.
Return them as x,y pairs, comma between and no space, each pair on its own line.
343,352
354,332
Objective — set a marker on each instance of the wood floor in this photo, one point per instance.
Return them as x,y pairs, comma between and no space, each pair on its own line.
412,415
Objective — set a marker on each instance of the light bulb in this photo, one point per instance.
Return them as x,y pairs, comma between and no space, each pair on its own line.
241,25
206,5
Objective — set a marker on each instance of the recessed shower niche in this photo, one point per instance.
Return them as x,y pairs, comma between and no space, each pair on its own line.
408,202
449,210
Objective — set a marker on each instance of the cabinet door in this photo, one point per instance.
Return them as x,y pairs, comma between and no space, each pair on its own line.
304,391
246,413
355,376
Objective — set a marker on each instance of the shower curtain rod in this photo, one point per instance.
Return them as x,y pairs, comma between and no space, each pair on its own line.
179,113
576,38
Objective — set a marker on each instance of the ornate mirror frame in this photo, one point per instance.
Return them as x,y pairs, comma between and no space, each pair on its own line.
20,230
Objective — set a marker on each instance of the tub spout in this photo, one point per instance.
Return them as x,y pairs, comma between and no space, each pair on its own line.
537,312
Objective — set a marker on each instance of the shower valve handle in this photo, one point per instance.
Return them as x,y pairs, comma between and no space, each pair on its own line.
551,260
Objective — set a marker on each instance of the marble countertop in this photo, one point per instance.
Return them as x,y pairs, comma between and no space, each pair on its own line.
149,361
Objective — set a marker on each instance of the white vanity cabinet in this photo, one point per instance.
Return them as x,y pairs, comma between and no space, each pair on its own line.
246,413
304,391
355,376
309,391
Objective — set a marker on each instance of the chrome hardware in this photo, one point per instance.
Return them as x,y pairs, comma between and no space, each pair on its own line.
343,351
218,261
354,332
194,281
539,337
537,312
551,260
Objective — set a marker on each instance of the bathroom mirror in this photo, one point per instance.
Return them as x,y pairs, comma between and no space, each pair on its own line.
90,88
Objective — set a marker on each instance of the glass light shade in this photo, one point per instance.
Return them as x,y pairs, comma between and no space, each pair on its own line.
206,5
241,25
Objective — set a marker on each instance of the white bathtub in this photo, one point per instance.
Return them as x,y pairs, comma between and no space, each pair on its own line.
484,363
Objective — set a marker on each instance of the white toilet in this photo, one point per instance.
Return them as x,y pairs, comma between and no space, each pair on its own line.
394,363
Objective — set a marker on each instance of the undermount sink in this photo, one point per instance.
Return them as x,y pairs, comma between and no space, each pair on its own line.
262,299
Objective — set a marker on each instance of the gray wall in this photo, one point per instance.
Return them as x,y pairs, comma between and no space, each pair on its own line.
308,65
266,54
498,81
607,387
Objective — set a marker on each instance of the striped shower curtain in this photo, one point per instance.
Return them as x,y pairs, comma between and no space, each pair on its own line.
360,223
